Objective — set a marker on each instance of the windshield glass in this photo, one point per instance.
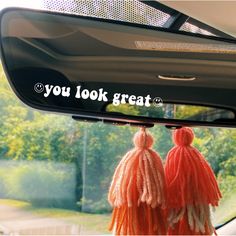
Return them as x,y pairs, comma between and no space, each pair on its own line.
55,172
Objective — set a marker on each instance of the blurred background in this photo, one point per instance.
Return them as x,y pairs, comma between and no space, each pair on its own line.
55,168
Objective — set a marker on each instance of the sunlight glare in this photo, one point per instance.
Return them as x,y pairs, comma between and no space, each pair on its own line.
36,4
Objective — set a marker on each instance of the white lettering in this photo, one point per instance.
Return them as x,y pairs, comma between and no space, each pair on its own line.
116,99
102,95
77,95
85,94
132,99
99,95
123,98
93,95
147,101
139,101
65,91
48,90
56,90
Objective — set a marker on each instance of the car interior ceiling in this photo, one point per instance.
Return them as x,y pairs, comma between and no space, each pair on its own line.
218,14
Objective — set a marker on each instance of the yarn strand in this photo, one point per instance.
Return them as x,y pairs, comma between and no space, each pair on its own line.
191,181
138,191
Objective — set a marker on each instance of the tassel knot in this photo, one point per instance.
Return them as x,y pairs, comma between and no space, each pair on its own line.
183,136
143,139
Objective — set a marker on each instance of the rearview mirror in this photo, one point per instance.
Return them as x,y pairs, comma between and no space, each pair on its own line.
120,72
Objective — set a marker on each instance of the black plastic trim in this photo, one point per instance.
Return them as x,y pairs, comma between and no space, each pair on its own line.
225,223
99,115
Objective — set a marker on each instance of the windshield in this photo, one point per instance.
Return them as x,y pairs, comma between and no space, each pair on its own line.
55,172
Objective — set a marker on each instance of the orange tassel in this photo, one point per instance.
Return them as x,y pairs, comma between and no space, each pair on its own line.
191,187
137,191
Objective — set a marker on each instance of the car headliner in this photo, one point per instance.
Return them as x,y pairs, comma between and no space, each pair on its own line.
218,14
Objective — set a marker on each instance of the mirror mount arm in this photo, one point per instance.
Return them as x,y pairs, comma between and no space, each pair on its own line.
112,122
173,127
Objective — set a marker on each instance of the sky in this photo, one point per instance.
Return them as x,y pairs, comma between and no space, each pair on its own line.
21,3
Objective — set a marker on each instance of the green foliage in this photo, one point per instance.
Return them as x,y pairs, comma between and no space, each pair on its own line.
217,145
42,184
229,166
3,191
227,185
131,110
227,176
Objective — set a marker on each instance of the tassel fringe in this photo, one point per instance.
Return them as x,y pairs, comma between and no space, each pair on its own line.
191,188
138,191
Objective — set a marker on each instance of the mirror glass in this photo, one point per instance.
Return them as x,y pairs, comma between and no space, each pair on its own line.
173,111
75,65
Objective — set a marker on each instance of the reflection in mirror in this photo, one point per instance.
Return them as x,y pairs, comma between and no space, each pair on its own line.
77,65
173,111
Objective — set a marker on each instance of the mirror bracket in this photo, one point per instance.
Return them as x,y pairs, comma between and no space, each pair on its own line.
112,122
